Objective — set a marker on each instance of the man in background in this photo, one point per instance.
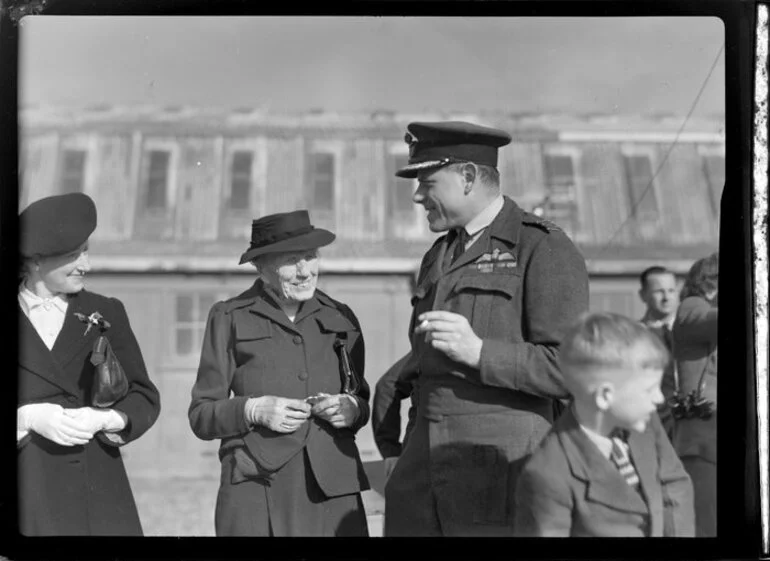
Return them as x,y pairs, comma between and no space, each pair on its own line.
661,297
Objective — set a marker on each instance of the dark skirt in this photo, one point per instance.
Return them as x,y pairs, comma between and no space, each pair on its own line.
290,504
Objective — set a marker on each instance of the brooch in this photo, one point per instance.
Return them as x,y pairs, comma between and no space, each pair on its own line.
94,319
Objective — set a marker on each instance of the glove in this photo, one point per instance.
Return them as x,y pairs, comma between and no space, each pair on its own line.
96,420
279,414
49,421
339,410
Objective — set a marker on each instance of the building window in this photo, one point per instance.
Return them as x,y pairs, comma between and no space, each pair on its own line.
322,174
73,171
401,189
714,171
560,205
191,313
157,179
240,180
639,178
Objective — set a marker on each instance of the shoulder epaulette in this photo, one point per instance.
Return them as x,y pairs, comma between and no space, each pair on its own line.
533,220
345,310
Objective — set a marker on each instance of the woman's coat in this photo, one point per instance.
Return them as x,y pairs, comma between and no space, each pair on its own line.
80,490
252,349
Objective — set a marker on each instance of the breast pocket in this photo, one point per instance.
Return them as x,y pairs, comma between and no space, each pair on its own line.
487,299
254,344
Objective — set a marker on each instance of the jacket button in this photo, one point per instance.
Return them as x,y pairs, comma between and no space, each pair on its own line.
297,340
302,376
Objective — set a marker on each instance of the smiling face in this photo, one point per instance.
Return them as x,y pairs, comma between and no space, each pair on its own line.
292,276
60,273
442,193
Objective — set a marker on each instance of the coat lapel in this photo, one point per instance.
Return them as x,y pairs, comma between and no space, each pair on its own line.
644,455
35,357
604,482
262,307
72,339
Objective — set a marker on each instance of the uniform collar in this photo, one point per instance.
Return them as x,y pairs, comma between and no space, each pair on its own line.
30,301
485,217
658,323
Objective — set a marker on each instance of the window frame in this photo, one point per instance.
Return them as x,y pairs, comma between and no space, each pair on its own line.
197,324
574,154
649,152
333,148
415,227
77,143
159,145
709,151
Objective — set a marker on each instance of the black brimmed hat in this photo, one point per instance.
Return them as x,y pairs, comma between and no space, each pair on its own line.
434,145
56,225
283,232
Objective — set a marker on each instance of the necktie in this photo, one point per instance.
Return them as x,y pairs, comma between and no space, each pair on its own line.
459,248
622,460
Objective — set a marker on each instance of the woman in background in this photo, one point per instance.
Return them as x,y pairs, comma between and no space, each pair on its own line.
695,352
71,476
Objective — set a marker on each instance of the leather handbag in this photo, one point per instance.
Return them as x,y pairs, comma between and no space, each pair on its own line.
110,382
351,384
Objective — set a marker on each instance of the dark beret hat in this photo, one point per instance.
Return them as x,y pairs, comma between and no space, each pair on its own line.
285,232
433,145
56,225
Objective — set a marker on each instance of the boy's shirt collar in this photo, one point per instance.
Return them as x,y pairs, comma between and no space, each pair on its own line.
603,443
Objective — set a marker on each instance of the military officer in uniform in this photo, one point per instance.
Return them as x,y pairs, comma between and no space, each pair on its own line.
494,296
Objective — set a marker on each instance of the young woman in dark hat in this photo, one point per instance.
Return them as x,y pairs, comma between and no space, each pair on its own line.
71,477
271,385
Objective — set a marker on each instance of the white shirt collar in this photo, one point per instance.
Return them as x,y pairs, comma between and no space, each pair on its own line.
485,217
603,443
657,323
29,301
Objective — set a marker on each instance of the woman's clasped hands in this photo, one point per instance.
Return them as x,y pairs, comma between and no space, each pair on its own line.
286,415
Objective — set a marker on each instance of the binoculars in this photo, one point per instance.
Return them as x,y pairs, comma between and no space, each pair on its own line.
691,406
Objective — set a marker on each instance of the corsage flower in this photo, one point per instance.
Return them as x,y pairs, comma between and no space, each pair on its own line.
94,319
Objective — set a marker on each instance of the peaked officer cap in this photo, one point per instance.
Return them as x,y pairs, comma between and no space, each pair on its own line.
433,145
56,225
284,232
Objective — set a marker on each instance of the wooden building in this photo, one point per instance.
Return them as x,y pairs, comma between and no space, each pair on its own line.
177,187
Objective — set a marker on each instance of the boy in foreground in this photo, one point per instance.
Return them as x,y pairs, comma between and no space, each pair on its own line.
607,468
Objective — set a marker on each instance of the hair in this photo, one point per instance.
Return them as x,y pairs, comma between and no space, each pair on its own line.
608,340
654,270
702,278
488,175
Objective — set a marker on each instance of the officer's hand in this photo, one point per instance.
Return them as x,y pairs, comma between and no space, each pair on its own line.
49,421
339,410
452,334
276,413
390,465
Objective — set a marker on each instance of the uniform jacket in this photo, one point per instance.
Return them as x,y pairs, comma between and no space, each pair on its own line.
567,488
695,348
251,349
80,490
519,285
389,392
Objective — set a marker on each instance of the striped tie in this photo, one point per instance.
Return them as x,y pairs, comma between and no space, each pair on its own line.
622,460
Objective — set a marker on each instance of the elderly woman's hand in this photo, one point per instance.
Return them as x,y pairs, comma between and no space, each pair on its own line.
277,413
339,410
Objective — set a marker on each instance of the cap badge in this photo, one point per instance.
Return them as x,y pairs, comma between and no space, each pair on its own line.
411,140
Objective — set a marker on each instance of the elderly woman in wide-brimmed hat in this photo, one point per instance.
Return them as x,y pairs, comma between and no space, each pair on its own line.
71,476
271,386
